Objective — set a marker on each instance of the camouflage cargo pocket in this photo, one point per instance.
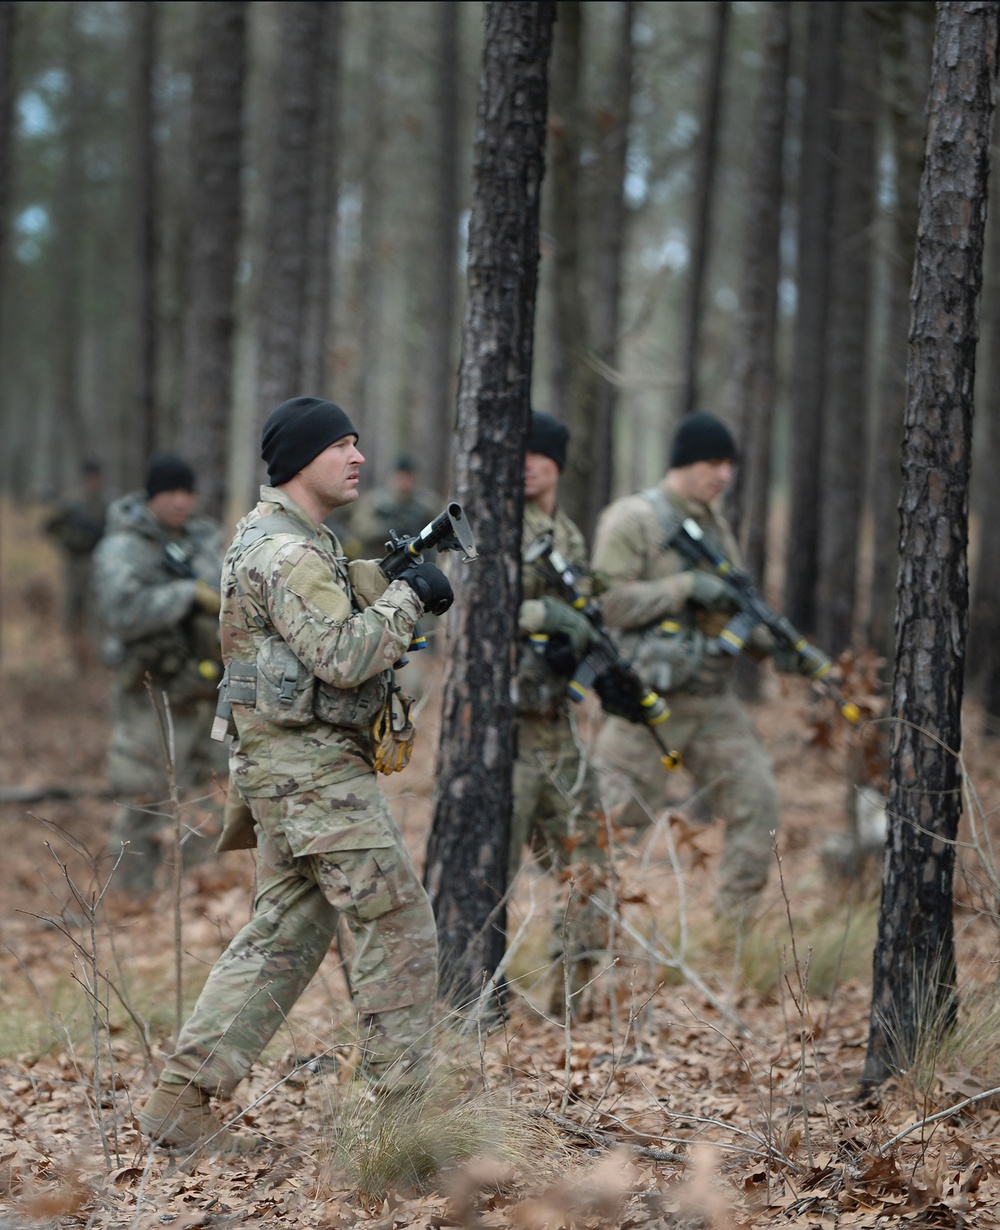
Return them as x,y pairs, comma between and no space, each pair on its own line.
363,868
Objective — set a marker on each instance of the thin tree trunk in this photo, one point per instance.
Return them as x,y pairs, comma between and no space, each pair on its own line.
908,32
318,342
913,985
815,199
608,247
441,350
843,454
144,415
756,360
282,302
467,850
217,163
371,411
702,201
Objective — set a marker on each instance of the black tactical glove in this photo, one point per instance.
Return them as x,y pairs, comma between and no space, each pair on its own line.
621,694
430,585
712,592
561,617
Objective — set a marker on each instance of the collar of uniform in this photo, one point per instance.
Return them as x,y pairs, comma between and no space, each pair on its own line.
687,508
274,495
537,521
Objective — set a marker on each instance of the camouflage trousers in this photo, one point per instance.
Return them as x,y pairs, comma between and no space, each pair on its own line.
557,811
723,753
321,854
137,771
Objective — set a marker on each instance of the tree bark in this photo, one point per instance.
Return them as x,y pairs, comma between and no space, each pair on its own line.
808,380
702,200
755,360
217,163
371,410
608,246
913,987
568,325
906,43
441,349
282,302
842,466
8,18
318,342
467,850
144,416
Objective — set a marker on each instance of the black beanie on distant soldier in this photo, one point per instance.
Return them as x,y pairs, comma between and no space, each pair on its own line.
549,437
168,472
298,431
701,437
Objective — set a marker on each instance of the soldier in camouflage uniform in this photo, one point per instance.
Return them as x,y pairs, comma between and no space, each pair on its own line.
668,616
156,582
308,640
78,527
556,801
400,505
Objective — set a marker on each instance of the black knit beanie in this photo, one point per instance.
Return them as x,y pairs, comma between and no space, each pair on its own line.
548,436
168,472
701,437
298,431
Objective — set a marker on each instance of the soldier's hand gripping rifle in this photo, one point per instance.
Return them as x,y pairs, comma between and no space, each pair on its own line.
620,690
691,542
449,531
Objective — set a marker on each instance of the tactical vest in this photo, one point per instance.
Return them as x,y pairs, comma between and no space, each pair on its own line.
276,685
681,652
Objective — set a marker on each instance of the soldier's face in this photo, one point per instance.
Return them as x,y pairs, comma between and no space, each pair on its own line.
171,508
541,476
332,475
703,481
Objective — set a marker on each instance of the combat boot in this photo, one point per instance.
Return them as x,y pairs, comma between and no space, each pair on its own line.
180,1119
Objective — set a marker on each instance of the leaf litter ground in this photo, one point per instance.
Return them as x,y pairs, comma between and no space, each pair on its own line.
715,1083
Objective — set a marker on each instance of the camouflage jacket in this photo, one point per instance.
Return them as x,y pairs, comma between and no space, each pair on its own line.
290,581
541,690
144,580
79,526
646,601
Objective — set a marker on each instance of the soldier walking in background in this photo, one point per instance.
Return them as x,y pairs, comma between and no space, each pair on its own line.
556,801
668,615
308,641
78,527
156,584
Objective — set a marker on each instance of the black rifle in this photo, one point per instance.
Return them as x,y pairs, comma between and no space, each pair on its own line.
689,539
449,531
602,669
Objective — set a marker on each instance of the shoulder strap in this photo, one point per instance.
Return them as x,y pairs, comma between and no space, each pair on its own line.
668,516
275,523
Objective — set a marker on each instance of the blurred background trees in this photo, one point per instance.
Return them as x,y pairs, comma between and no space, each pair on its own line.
206,208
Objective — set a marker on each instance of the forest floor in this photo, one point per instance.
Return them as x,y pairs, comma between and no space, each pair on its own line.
715,1085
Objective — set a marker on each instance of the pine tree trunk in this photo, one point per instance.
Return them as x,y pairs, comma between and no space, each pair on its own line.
370,409
913,991
608,246
441,357
143,411
816,179
702,200
282,301
217,163
318,343
467,850
842,465
755,361
568,325
908,31
8,15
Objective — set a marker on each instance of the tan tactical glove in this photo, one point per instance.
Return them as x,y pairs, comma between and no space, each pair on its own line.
207,597
368,581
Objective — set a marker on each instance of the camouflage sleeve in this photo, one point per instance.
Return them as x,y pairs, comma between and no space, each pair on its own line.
130,606
623,559
311,611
